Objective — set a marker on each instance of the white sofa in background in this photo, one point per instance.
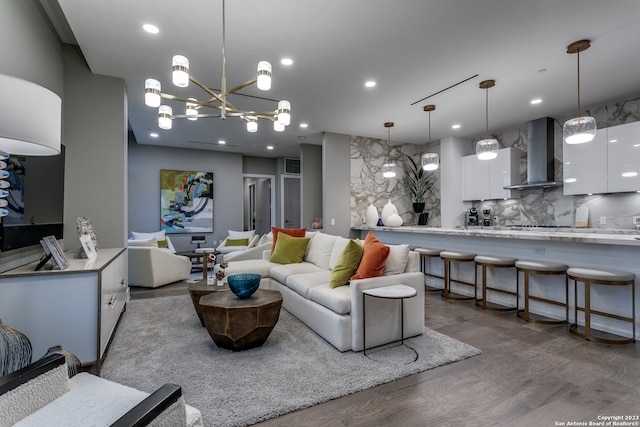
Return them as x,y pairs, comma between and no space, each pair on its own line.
336,313
42,394
150,266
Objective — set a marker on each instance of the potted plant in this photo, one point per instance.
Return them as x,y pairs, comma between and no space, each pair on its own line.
416,182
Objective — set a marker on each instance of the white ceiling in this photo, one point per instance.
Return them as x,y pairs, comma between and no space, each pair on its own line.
411,48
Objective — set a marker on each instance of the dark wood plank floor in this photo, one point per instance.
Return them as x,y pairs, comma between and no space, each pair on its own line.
528,375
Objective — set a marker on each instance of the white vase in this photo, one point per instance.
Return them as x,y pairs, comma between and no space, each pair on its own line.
394,220
371,216
387,211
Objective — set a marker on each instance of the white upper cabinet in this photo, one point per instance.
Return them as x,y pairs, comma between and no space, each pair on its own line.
623,162
610,163
485,179
585,165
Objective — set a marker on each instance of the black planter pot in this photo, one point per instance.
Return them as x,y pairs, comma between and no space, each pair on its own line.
418,207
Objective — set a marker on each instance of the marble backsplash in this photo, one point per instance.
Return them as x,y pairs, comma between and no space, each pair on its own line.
540,207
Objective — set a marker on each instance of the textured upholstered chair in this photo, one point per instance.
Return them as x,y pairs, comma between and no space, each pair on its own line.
43,394
238,241
150,266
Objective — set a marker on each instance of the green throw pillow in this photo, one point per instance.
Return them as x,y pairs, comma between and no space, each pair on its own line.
347,264
237,242
163,244
289,250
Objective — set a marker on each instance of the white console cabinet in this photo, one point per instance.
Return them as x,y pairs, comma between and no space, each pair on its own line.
77,308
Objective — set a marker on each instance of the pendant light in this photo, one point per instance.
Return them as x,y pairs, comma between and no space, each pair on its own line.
430,161
487,149
389,167
580,129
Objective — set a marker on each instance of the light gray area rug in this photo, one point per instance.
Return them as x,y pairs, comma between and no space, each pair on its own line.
160,340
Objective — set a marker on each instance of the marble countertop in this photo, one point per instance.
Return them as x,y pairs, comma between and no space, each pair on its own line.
578,235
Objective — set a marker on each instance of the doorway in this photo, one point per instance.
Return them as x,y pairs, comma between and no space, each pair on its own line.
259,202
290,212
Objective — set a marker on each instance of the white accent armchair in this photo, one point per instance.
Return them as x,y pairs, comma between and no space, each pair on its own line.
151,267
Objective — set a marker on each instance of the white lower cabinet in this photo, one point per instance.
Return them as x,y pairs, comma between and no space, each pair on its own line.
77,308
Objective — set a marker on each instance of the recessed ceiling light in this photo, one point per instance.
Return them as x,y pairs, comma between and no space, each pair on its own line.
456,126
636,145
286,61
370,83
304,125
222,141
269,147
153,135
150,28
536,101
629,174
612,141
570,180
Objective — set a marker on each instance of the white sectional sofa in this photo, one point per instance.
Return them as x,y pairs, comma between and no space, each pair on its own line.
336,313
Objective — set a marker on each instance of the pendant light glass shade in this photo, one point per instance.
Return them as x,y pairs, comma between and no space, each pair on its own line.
579,129
430,161
487,148
389,167
277,126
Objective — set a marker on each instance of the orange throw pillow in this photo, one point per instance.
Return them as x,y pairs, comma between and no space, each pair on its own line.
293,232
374,257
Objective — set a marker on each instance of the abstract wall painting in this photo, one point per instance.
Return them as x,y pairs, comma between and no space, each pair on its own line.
186,201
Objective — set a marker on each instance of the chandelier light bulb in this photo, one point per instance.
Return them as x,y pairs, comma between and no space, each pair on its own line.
191,110
164,117
4,194
277,126
152,89
180,71
4,184
430,161
284,112
264,75
252,124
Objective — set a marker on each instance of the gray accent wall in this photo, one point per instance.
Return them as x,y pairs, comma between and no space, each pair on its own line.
145,164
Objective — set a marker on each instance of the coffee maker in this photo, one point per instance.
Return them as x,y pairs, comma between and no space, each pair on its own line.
472,217
486,218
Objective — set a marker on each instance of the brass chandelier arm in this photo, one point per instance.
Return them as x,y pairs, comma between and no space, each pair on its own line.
214,95
242,86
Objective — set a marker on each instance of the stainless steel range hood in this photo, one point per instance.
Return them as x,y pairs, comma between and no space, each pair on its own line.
540,159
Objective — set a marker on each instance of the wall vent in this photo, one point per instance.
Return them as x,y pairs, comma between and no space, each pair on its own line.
291,166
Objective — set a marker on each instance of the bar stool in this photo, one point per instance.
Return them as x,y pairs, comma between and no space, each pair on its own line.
493,262
545,268
425,257
590,277
449,257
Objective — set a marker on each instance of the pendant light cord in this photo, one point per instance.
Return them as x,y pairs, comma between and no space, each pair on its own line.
429,127
486,109
578,53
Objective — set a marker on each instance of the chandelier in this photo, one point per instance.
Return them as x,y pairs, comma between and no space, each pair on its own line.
193,108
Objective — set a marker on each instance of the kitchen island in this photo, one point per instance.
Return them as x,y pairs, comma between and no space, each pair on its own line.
588,248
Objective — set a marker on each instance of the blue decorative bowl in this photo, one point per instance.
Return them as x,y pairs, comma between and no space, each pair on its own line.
243,285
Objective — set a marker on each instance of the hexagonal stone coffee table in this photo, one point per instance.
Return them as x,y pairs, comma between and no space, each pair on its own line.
240,324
